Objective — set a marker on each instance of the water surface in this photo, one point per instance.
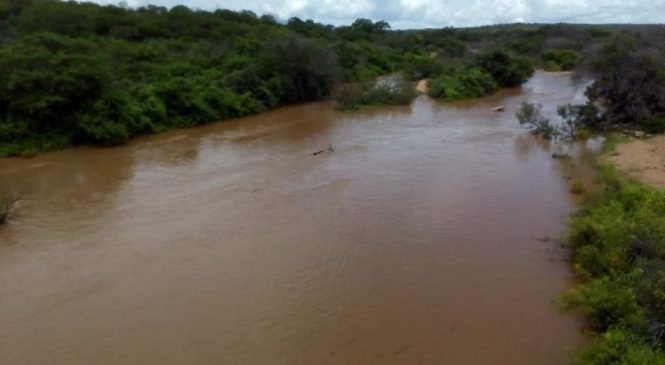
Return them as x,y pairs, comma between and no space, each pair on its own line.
414,242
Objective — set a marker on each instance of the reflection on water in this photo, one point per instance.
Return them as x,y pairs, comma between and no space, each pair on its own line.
411,243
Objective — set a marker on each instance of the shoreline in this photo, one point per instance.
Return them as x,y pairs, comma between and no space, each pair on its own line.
641,159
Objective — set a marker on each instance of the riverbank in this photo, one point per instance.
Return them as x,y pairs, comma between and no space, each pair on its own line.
618,244
641,159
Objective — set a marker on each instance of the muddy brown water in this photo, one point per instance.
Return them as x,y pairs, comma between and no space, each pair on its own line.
414,242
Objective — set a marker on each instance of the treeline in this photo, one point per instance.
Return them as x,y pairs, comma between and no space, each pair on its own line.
85,73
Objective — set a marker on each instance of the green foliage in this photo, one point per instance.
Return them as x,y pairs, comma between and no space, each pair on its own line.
653,124
450,47
532,116
560,59
618,241
84,73
464,84
506,69
629,82
621,347
607,302
308,69
76,72
577,187
46,79
420,67
388,92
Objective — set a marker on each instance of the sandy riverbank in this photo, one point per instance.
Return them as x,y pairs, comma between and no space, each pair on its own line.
642,159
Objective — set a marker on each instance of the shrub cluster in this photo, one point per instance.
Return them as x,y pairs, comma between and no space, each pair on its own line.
391,92
560,59
463,84
618,241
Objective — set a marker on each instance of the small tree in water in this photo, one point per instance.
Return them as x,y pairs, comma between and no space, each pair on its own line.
532,116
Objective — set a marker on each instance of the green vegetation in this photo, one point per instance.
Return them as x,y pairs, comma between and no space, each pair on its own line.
508,70
84,73
387,92
463,84
618,241
532,116
628,87
630,81
654,124
578,187
560,59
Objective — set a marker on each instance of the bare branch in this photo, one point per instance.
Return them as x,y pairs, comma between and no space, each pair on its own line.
8,199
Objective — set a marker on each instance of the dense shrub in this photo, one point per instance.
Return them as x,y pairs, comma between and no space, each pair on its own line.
629,82
420,67
653,124
620,346
86,73
463,84
506,69
390,92
560,59
618,241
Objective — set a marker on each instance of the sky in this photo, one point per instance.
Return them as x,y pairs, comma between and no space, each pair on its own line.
402,14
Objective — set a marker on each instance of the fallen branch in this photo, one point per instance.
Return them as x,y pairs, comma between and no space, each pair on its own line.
8,200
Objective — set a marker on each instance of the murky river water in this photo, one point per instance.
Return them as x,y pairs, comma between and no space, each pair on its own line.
412,243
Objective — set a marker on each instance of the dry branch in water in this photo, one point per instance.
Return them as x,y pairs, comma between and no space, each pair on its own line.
8,199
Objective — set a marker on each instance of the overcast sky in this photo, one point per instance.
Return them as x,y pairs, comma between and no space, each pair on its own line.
439,13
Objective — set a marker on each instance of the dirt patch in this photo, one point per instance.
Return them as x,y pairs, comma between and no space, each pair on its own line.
642,159
422,87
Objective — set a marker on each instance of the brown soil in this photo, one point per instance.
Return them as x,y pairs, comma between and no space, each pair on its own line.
642,159
422,86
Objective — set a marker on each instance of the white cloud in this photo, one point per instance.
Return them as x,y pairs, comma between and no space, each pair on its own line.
439,13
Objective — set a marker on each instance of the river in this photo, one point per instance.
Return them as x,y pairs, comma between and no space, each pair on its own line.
415,241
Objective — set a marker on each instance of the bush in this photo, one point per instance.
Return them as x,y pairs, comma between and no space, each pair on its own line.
560,59
464,84
620,346
629,82
532,116
420,67
653,124
506,69
618,242
607,303
391,92
310,70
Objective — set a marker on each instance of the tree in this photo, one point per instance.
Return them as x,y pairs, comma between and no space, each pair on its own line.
507,70
309,69
46,80
629,82
532,116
